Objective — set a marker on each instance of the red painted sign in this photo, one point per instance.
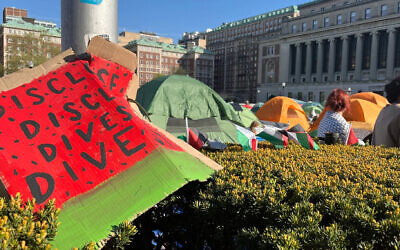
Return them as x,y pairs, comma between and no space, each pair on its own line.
69,131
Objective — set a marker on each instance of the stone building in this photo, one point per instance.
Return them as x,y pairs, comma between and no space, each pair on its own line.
20,35
348,44
125,37
236,49
155,58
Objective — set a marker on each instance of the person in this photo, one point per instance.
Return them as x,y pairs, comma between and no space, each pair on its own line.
333,122
387,125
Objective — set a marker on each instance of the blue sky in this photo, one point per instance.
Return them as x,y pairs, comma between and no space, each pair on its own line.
165,17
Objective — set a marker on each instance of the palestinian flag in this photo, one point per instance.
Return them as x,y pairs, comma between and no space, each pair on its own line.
196,139
70,135
246,138
303,139
352,138
273,135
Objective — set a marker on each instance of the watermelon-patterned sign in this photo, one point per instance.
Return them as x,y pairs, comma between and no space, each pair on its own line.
71,135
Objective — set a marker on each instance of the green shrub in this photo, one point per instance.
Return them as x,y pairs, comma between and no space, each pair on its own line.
23,228
337,197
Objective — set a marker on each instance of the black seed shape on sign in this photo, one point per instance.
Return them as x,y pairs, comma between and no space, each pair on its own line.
83,169
126,74
108,65
85,87
117,67
40,80
122,90
46,93
142,131
16,141
54,134
61,176
80,106
11,119
124,164
146,152
89,182
54,73
65,97
71,88
62,116
74,64
34,163
33,144
71,154
14,157
111,171
47,128
50,106
31,113
67,193
3,96
78,123
15,172
1,148
110,151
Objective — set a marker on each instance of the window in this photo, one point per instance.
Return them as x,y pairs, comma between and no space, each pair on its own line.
322,9
326,22
300,95
339,19
315,24
398,7
294,28
367,13
353,16
304,27
10,31
384,10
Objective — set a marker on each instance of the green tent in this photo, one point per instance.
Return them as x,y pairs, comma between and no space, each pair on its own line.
169,99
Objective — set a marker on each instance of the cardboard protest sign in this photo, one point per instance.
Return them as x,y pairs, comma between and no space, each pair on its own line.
71,135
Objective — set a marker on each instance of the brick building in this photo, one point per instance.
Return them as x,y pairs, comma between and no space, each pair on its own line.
158,58
22,37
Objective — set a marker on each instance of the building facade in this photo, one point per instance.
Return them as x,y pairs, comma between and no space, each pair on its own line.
198,38
236,49
26,41
125,37
155,58
353,45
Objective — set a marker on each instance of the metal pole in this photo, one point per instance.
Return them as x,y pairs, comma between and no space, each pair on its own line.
81,20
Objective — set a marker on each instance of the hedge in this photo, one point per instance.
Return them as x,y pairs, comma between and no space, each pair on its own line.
337,197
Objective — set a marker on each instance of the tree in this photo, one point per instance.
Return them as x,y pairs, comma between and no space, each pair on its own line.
1,70
28,51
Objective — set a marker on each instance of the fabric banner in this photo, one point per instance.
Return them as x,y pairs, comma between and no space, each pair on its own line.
71,136
246,138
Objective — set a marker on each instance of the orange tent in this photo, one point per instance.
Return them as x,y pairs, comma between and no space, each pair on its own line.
285,110
364,110
371,97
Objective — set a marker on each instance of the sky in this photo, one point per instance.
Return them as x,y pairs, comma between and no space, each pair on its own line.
168,18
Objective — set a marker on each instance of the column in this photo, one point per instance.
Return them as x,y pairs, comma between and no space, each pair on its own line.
345,57
332,52
298,62
359,54
391,53
374,56
319,60
308,62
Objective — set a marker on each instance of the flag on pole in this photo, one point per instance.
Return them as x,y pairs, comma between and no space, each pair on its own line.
273,135
246,138
303,139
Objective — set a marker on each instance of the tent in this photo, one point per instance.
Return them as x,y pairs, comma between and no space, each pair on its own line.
257,106
309,107
285,110
246,116
364,110
169,99
371,97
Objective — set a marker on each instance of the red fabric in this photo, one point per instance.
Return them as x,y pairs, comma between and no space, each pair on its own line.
194,140
254,144
285,140
70,130
352,138
247,106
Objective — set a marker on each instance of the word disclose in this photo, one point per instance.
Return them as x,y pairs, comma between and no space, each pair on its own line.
67,132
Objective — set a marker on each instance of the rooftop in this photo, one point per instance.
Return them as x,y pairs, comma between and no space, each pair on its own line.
248,20
20,23
168,47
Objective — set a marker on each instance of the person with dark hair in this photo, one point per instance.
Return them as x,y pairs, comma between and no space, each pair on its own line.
387,125
333,122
